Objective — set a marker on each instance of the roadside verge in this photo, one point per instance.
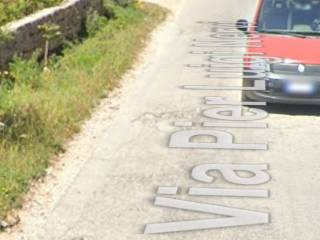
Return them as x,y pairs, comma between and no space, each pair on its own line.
39,111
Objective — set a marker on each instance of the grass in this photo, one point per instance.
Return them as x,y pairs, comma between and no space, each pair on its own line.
39,110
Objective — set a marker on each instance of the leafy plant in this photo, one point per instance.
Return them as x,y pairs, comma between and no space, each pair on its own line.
6,80
50,32
95,22
5,35
26,72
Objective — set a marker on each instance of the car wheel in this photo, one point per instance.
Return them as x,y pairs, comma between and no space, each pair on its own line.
244,97
245,83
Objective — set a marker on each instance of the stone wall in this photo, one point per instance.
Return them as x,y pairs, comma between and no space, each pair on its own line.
70,16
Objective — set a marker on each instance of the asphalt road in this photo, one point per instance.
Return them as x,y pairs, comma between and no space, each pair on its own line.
109,193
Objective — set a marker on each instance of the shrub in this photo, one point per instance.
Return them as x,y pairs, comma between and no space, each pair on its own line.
26,72
5,35
49,32
95,22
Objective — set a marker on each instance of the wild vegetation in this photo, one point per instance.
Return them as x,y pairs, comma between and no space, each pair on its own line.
15,9
40,110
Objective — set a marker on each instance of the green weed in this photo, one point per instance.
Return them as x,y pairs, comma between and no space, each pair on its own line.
39,111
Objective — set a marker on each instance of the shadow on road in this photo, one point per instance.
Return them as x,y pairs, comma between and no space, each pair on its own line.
294,110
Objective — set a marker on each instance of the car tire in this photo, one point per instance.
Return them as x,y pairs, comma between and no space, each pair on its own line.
245,83
244,97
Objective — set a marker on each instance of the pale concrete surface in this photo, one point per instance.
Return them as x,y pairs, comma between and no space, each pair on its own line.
111,171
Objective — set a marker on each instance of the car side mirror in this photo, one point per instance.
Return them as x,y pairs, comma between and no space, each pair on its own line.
242,25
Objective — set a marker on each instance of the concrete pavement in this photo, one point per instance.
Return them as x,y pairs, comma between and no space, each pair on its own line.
109,193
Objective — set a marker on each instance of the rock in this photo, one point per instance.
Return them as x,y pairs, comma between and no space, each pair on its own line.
3,224
12,220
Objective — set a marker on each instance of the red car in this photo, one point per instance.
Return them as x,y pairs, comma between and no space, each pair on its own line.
290,30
